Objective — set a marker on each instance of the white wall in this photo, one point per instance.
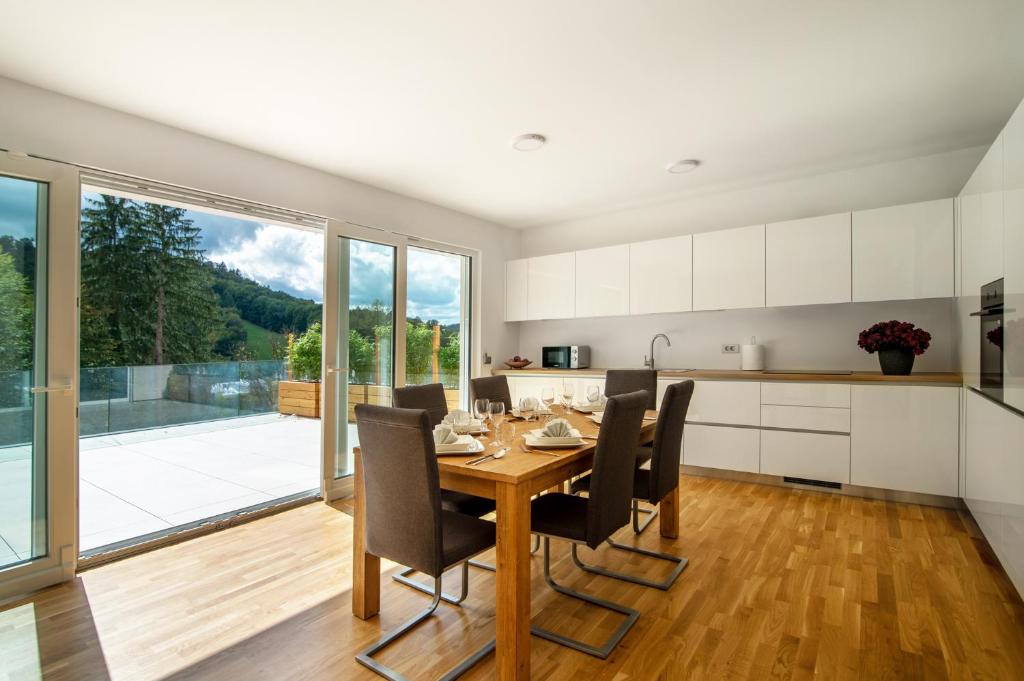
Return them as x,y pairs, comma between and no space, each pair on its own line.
51,125
917,179
807,337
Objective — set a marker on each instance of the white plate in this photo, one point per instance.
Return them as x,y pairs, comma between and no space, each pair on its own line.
596,416
589,408
537,412
535,438
467,444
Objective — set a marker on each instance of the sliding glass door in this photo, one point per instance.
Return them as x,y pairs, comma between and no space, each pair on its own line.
38,234
396,312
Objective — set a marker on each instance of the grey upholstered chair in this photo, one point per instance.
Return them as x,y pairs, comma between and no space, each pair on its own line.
593,519
621,381
404,519
493,388
431,398
652,485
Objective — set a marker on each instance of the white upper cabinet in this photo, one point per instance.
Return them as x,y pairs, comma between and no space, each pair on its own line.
551,293
981,222
661,276
1013,260
517,277
602,281
904,252
808,261
728,269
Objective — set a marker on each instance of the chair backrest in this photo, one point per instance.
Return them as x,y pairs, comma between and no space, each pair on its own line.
429,397
668,439
622,381
494,388
401,486
611,482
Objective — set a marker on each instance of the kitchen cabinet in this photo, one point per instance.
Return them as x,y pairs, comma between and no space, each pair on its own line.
806,394
602,281
728,269
517,277
733,449
1013,260
551,293
904,252
828,419
906,438
811,456
981,222
726,402
661,276
808,261
995,479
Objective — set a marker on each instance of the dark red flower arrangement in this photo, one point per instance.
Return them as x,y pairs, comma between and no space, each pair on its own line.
894,335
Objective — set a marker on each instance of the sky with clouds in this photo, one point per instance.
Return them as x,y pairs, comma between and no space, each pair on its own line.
289,259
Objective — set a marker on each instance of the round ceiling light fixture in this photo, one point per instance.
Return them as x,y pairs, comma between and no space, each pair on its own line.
680,167
528,142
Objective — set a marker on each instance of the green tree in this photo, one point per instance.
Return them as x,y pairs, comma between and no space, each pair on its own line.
450,356
304,357
15,317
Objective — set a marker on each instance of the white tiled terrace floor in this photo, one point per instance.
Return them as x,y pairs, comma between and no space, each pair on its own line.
136,483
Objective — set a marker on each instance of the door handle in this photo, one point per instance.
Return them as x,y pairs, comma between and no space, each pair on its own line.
66,390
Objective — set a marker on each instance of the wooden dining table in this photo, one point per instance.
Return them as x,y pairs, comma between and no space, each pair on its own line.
511,481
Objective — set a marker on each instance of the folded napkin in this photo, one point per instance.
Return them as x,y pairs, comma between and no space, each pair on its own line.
445,434
450,416
529,404
558,428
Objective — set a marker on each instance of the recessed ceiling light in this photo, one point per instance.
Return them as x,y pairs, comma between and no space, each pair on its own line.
528,142
680,167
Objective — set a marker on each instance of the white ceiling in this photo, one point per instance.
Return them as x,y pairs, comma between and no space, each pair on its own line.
423,97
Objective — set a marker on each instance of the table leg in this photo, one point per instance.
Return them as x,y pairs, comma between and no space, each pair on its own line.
670,514
365,566
513,583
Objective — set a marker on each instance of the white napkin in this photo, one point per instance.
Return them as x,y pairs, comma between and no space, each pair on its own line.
449,418
445,434
529,404
558,428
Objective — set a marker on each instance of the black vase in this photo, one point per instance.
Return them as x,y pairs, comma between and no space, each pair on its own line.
896,362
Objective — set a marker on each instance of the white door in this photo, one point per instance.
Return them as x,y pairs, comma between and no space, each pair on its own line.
551,293
728,269
807,261
38,373
602,281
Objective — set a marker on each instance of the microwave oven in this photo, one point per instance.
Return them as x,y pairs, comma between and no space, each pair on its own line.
565,356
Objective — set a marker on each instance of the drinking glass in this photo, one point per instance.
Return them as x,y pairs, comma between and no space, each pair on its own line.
525,409
496,411
593,393
461,422
480,408
547,396
568,390
505,435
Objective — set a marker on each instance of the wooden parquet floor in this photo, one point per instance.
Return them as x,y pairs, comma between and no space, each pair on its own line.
782,584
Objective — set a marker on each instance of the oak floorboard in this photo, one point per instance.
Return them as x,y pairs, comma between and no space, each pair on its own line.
781,584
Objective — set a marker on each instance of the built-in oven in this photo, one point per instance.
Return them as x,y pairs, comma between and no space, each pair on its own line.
991,335
565,356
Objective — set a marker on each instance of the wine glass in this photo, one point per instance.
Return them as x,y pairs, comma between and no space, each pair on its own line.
547,396
480,408
496,411
527,405
568,390
504,436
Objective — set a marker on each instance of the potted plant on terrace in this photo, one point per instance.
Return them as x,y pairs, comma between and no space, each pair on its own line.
300,394
897,344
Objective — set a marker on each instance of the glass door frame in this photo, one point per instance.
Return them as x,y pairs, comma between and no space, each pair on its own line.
59,395
335,354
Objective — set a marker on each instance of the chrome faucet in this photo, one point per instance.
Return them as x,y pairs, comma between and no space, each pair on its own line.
649,363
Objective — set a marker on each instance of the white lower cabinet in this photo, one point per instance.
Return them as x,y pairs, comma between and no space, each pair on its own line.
812,456
906,438
726,402
733,449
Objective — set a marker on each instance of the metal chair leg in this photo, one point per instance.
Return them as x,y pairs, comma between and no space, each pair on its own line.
637,510
365,657
605,649
536,544
681,564
403,578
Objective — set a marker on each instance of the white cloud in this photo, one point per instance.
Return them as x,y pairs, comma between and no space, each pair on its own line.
282,258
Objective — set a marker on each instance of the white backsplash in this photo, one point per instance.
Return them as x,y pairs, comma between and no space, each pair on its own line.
807,337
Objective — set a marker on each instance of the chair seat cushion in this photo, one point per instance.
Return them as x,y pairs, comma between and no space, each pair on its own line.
463,536
466,504
560,515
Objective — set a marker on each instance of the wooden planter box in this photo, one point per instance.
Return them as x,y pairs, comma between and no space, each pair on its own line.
301,398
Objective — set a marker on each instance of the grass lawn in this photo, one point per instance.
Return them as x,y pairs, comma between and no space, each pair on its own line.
261,341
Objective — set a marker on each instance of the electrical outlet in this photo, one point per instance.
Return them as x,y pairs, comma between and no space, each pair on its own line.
730,349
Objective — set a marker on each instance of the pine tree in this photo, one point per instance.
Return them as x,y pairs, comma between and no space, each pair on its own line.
15,317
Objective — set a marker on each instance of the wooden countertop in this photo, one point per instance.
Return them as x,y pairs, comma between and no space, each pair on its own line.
926,378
